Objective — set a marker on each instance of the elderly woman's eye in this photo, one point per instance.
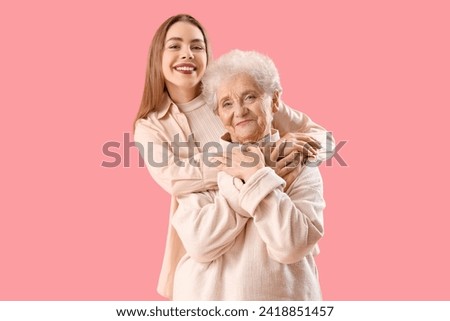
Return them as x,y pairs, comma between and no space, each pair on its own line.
250,98
227,104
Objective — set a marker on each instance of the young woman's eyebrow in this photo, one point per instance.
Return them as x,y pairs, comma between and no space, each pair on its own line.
181,39
198,40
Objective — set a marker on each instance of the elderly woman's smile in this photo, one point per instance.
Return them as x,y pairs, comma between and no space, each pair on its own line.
244,109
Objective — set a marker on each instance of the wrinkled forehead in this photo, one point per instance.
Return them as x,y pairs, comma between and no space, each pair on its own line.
238,84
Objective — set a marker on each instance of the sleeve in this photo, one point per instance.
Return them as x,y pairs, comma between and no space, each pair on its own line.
289,120
206,225
229,187
290,225
174,174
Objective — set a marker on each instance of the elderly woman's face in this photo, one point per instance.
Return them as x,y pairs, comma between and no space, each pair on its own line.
244,109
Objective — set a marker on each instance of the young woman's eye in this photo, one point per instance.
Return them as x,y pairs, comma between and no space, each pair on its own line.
173,46
198,47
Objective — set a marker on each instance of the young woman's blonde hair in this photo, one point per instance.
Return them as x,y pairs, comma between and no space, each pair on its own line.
154,86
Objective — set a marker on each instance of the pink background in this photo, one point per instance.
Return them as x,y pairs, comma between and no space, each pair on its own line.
376,73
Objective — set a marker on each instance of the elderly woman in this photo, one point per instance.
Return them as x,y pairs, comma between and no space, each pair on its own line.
250,239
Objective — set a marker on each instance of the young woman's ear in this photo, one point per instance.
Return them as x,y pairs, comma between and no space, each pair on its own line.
275,101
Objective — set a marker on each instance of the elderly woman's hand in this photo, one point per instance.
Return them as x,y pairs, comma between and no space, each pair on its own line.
285,158
242,162
289,170
290,152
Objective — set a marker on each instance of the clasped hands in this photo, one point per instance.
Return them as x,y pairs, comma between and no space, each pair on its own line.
286,157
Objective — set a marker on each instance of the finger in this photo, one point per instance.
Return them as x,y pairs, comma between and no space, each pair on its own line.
315,143
293,168
303,147
283,146
284,162
308,150
289,179
277,150
299,138
274,153
285,171
217,160
290,157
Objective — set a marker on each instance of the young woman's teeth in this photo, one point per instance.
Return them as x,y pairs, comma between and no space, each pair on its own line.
185,68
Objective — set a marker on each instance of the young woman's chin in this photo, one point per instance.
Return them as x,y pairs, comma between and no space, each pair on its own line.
183,92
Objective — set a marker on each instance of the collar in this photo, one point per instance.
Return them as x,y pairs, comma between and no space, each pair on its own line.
274,136
194,104
185,107
167,102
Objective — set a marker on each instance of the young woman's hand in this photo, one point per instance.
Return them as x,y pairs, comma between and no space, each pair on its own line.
302,143
242,162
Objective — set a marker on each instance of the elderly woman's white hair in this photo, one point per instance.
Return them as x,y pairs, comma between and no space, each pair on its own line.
260,67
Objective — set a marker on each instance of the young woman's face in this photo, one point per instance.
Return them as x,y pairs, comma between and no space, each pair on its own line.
184,58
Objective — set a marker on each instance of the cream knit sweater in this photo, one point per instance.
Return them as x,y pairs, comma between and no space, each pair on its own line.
251,241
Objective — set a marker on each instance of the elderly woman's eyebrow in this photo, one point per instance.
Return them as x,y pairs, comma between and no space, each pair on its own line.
224,98
252,91
241,94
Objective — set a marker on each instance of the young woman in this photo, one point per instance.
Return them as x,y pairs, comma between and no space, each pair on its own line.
174,127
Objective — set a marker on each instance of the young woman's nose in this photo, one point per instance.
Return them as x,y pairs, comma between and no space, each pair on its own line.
187,53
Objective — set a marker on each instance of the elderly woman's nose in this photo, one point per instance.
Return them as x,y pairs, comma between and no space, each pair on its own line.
240,110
